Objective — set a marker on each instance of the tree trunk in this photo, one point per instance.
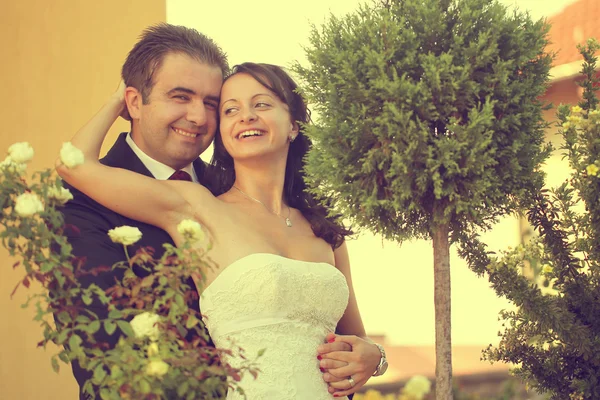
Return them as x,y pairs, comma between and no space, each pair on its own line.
443,340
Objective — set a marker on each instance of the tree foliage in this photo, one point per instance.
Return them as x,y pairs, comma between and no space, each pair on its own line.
425,102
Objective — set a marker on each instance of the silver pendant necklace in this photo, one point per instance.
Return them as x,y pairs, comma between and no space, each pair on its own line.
288,222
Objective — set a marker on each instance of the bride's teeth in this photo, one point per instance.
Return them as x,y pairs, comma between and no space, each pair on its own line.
250,133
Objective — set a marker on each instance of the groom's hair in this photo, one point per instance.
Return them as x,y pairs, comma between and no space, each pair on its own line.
156,42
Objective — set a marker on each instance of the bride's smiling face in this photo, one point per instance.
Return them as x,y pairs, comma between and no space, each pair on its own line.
254,120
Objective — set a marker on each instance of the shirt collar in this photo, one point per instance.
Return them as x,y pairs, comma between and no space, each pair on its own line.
159,170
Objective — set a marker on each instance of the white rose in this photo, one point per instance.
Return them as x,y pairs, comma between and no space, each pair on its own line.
417,386
21,152
144,324
11,166
61,195
28,204
125,235
190,230
70,155
157,368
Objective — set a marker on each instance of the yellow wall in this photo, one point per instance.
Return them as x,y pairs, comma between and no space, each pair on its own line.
60,60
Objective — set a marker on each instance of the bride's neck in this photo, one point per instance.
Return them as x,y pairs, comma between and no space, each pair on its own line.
263,182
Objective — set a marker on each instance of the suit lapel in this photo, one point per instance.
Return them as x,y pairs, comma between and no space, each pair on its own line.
120,155
200,170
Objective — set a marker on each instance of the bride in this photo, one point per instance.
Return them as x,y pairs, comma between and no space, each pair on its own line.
283,280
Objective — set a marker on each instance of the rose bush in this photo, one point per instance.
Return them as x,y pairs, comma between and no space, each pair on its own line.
155,357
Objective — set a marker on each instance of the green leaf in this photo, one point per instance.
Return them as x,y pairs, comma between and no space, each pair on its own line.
115,314
191,322
87,300
88,388
93,326
109,327
64,357
261,352
126,328
179,300
64,317
83,319
182,331
55,365
145,386
74,342
147,281
46,267
183,388
99,373
116,372
62,336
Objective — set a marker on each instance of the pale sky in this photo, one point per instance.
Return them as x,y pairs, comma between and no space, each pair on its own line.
394,284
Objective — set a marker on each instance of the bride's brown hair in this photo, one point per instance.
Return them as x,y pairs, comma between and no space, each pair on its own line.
295,193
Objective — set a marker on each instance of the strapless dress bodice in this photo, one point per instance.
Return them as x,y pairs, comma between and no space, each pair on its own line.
284,306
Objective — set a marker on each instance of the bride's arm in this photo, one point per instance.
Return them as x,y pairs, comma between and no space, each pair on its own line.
160,203
351,322
349,353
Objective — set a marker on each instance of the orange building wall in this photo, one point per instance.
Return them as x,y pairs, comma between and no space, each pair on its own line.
575,24
60,60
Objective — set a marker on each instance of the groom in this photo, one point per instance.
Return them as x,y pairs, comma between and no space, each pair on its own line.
172,130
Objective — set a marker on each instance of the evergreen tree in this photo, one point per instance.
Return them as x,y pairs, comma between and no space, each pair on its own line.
429,124
553,336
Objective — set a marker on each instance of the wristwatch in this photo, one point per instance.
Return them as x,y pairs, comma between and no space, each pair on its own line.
383,364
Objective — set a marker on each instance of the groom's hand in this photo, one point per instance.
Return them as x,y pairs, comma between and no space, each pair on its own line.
344,357
325,364
333,345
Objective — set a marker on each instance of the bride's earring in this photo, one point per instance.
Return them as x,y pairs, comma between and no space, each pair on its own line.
291,138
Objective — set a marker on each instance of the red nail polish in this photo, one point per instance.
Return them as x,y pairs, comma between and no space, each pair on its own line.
319,357
336,395
331,340
322,369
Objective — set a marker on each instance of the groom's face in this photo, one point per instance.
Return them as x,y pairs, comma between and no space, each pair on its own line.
179,120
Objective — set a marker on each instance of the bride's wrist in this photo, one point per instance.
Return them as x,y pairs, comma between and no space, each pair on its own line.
116,104
116,100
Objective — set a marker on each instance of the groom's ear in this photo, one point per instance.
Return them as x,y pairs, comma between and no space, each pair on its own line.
133,101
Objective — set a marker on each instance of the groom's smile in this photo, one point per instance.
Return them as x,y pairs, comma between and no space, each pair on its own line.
185,133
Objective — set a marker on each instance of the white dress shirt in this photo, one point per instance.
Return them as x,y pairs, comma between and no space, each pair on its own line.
157,169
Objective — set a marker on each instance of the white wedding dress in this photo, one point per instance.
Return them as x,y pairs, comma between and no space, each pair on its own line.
285,306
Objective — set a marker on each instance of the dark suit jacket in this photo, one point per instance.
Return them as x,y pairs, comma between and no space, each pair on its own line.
91,241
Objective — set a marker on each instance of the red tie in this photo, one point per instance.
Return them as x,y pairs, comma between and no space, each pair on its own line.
180,176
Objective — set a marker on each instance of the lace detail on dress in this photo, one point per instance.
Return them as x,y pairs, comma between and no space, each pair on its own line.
285,306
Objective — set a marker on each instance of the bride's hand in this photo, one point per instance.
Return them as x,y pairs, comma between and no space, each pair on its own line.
119,95
345,357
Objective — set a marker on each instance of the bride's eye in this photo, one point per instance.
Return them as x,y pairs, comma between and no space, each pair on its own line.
262,104
228,110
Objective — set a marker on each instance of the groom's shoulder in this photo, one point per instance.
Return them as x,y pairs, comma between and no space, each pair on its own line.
208,176
120,155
